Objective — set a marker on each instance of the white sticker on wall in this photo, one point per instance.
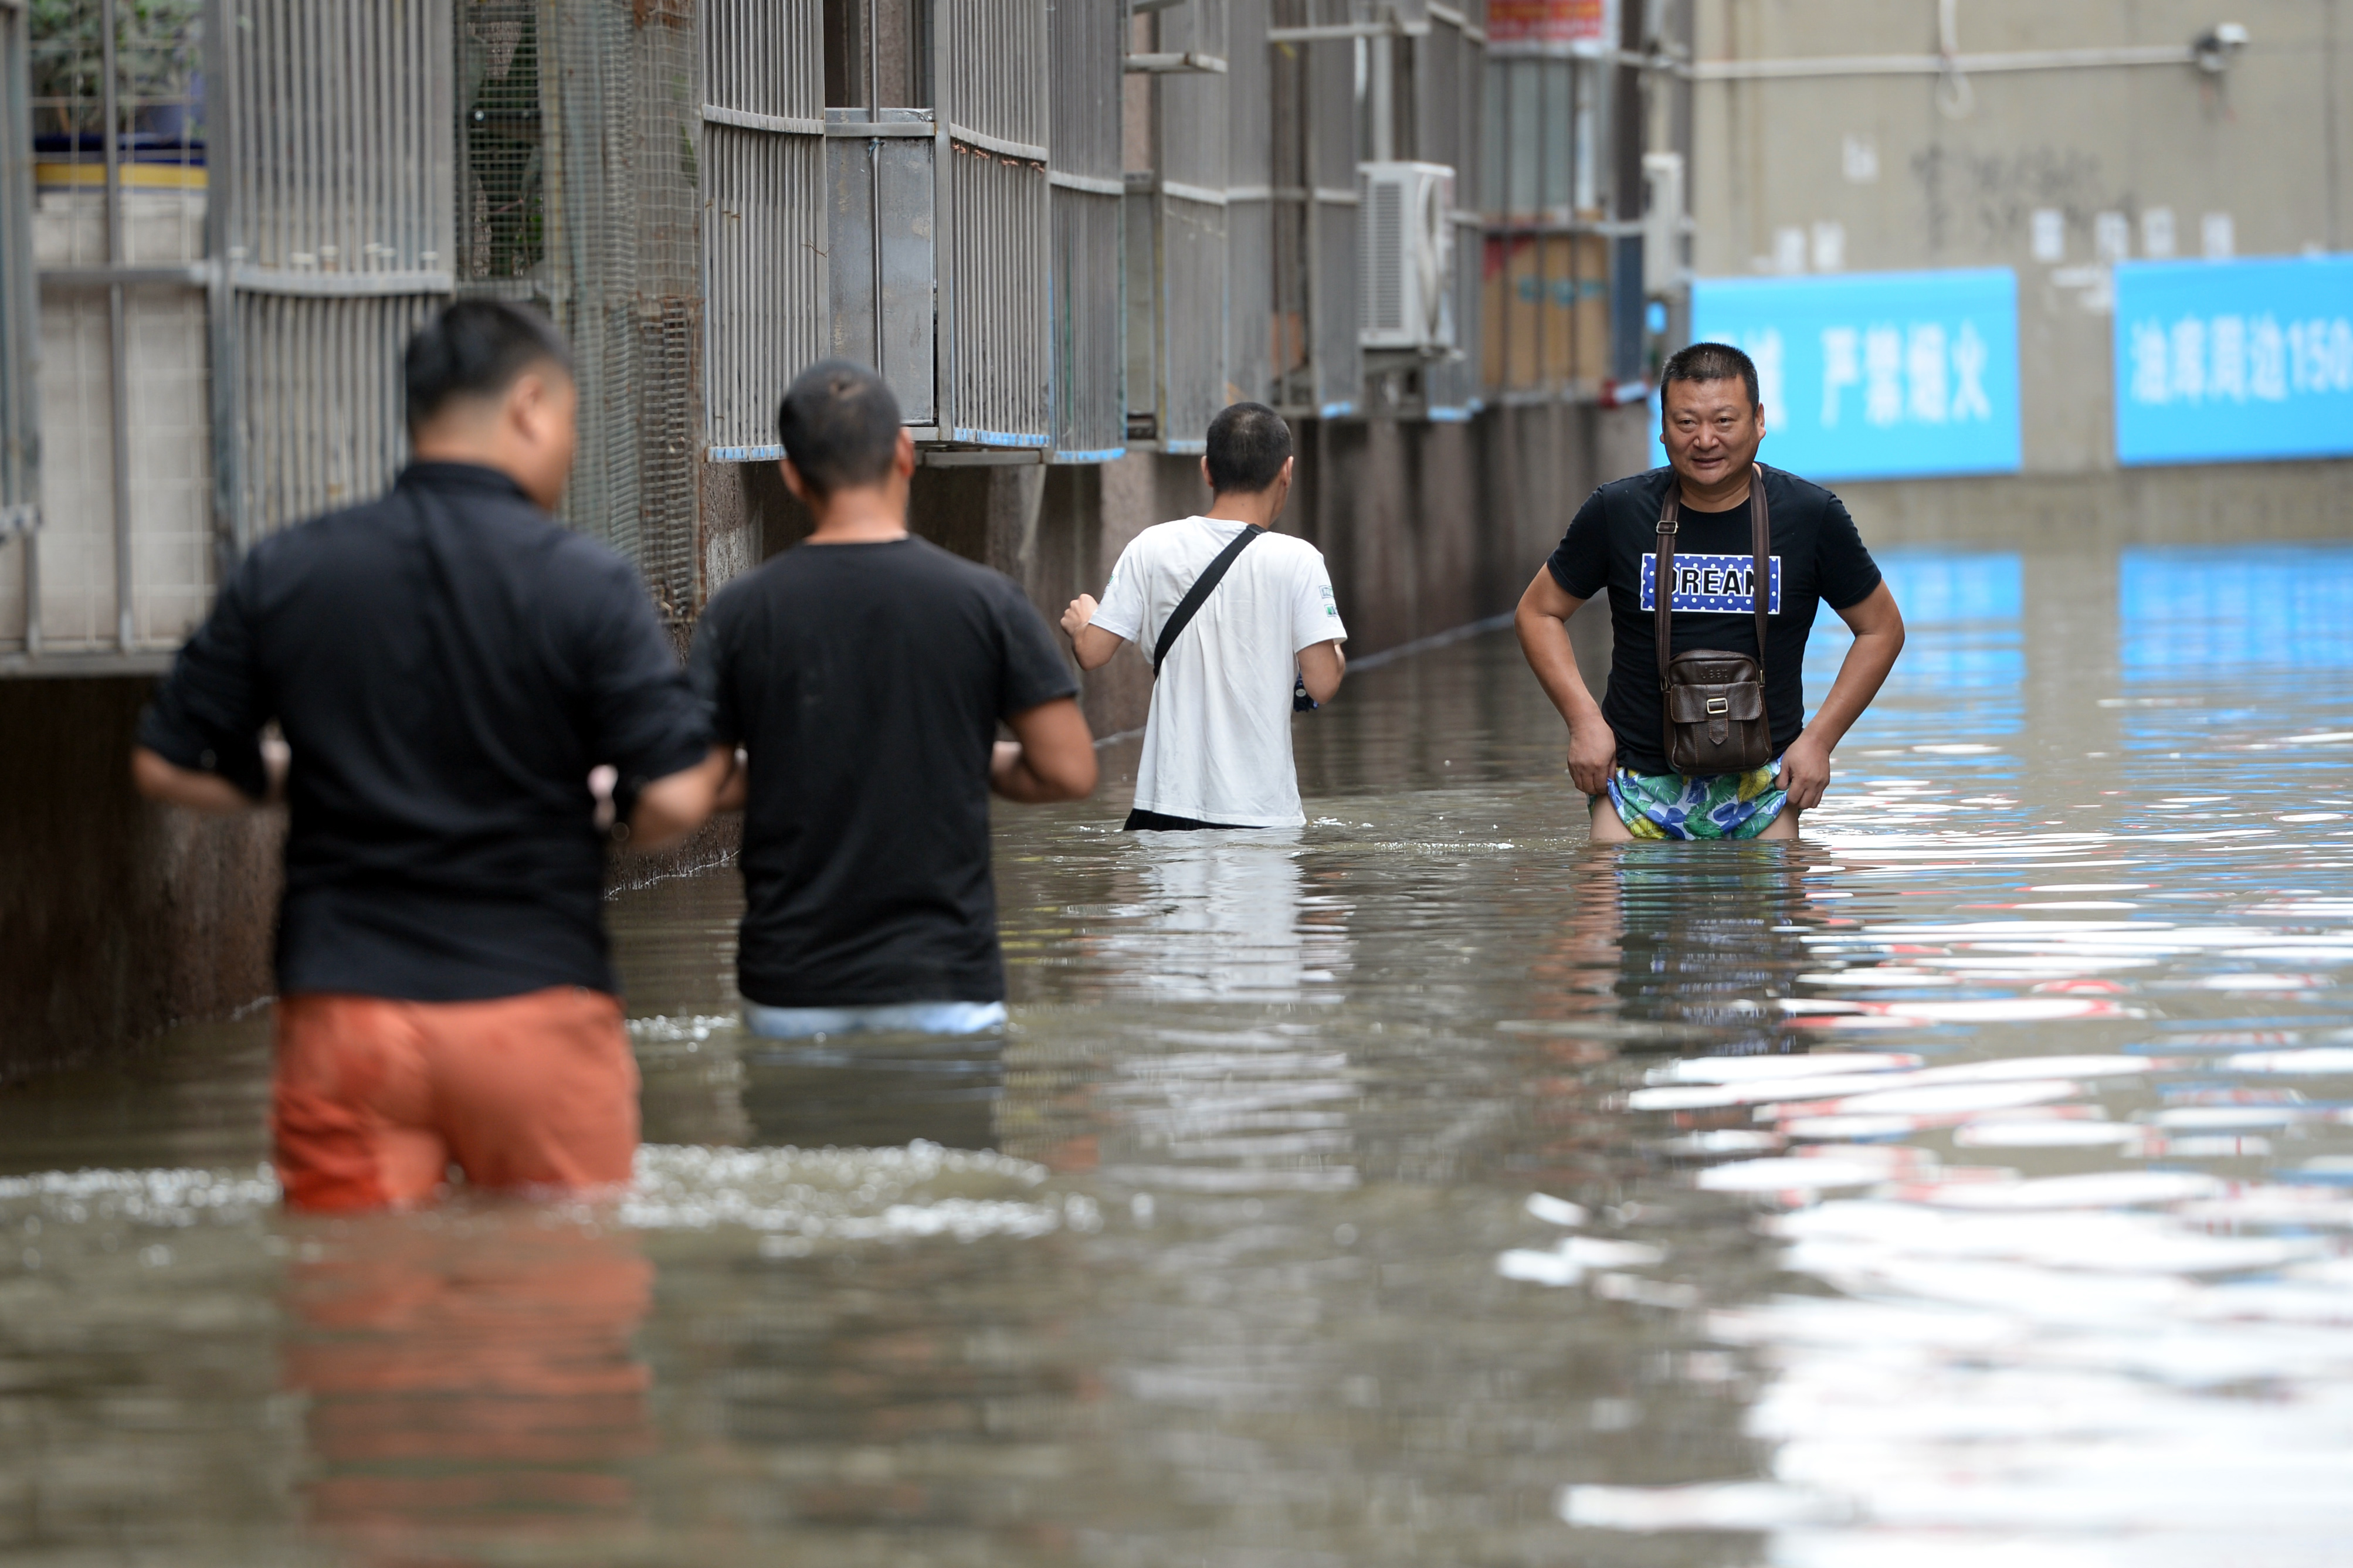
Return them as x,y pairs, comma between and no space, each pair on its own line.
1858,158
2050,228
2216,237
2112,238
2157,233
1829,246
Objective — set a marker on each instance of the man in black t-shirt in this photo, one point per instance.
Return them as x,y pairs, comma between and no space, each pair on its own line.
1712,422
447,665
863,674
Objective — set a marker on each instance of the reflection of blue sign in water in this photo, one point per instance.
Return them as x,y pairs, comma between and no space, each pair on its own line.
2196,611
1876,374
1965,661
2218,361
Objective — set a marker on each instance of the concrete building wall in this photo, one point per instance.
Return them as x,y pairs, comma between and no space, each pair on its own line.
118,916
1897,172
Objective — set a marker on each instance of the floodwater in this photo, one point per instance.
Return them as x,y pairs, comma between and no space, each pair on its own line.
1423,1188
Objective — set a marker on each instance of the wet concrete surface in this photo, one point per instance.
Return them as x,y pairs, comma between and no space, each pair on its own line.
1423,1187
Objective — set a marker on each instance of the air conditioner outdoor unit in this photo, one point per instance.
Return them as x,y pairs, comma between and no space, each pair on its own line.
1405,256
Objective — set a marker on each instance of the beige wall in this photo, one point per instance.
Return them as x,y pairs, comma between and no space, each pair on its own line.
2269,143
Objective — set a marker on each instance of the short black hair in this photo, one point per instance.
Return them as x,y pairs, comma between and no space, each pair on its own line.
1711,362
1248,444
477,348
840,426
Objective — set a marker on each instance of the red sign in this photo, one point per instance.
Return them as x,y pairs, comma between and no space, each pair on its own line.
1547,22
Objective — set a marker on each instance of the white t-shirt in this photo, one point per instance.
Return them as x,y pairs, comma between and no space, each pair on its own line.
1217,745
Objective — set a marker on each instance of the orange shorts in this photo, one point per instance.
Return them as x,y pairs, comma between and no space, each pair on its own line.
375,1100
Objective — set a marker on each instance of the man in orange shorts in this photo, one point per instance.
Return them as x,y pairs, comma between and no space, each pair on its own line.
447,666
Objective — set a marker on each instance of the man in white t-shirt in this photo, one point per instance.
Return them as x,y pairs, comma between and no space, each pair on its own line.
1217,746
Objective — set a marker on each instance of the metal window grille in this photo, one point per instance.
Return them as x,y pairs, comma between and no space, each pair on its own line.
1250,211
580,187
996,384
334,205
19,328
1451,65
1187,231
1319,367
124,558
1083,169
767,240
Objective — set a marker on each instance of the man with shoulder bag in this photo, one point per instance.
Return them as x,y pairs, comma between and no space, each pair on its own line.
1714,566
1244,632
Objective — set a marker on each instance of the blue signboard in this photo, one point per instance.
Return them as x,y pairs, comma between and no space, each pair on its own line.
1871,375
2234,361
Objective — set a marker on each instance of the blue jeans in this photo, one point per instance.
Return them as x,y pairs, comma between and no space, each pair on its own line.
909,1017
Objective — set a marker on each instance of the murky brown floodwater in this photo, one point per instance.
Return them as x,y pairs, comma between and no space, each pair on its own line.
1425,1188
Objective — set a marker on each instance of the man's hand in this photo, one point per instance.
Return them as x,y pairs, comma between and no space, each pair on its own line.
1592,757
208,792
1093,645
1321,665
1805,771
674,805
1052,756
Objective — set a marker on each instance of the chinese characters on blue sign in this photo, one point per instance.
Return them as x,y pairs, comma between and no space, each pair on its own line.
1876,375
2233,361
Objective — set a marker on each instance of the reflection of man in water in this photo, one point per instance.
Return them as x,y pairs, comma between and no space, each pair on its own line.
477,1379
1714,422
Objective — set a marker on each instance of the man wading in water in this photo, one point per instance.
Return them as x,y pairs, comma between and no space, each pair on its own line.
449,664
1618,752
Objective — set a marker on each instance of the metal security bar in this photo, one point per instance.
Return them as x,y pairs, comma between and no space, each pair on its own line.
1450,70
1084,170
582,186
1188,232
118,220
995,375
767,240
334,199
1250,205
1319,367
19,337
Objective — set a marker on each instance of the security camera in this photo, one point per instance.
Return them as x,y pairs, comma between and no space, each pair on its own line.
2219,46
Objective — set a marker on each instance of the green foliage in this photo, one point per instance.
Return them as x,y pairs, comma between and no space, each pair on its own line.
158,50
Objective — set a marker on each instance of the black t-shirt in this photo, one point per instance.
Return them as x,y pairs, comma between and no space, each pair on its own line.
864,683
446,663
1817,557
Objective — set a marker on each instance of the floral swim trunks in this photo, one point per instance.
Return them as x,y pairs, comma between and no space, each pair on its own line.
1674,806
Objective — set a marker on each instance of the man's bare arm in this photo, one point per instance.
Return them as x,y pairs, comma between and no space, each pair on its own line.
675,804
162,780
1091,644
1321,666
1051,758
1878,628
736,793
1542,623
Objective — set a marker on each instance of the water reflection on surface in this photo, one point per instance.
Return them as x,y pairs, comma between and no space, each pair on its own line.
1422,1187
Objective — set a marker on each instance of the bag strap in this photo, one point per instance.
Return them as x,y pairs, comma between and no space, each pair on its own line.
1760,541
1198,593
1662,580
1760,529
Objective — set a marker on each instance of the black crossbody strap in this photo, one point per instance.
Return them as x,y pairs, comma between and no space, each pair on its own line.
1198,593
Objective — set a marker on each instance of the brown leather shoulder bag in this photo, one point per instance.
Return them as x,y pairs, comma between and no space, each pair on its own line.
1713,700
